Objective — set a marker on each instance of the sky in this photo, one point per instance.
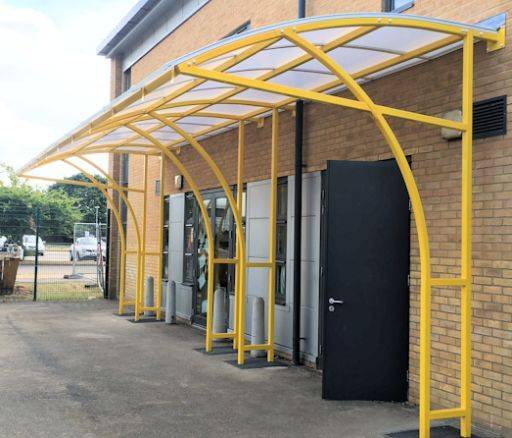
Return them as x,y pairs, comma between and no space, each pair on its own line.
51,78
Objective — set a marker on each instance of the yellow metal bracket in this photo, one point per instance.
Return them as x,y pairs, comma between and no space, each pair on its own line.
492,46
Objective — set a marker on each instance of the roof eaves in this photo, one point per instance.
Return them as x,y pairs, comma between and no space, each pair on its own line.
136,14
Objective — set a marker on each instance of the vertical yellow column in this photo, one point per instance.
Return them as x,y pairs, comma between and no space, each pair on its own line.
466,234
239,203
139,301
210,290
158,289
272,235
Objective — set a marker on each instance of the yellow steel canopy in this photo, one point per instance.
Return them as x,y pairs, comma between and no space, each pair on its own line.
245,76
253,75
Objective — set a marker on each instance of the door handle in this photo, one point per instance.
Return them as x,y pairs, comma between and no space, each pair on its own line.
333,301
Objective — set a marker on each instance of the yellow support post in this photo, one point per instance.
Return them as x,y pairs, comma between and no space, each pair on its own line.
272,236
158,292
139,301
239,201
466,234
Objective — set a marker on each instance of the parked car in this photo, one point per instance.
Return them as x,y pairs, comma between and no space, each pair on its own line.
28,244
85,248
8,245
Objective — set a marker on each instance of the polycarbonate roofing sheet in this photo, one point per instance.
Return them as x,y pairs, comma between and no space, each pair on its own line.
365,46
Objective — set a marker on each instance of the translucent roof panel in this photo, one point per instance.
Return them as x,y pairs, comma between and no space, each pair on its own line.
387,38
247,75
322,37
302,79
232,109
271,58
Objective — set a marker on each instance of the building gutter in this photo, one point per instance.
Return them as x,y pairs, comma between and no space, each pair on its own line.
297,222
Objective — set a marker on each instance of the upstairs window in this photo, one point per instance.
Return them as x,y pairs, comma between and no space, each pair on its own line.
240,29
397,6
127,79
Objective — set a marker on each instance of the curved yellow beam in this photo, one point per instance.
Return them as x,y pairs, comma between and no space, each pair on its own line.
236,215
204,213
121,193
418,212
103,189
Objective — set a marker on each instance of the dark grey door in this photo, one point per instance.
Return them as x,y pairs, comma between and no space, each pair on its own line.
365,282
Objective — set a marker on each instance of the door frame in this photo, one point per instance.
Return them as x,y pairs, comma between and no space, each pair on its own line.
210,194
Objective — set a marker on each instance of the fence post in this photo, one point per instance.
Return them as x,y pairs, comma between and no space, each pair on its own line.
36,256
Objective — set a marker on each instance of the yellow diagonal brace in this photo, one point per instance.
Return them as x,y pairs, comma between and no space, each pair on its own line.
314,96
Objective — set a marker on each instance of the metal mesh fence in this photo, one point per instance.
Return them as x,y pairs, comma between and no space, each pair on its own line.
46,259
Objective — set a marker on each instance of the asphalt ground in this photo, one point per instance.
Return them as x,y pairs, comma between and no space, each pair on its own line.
77,370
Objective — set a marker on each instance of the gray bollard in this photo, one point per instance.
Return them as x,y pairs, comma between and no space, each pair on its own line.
219,311
149,295
258,325
170,303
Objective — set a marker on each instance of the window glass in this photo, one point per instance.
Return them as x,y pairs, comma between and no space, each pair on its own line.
240,29
189,240
165,237
281,283
282,200
189,244
400,3
202,262
127,79
281,242
188,270
397,5
281,231
189,209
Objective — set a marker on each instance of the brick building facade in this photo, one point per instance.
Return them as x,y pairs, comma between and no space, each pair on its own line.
334,133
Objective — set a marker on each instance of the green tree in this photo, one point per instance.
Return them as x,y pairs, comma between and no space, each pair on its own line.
18,204
87,198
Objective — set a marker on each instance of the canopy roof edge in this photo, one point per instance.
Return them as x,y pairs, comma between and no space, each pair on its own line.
235,66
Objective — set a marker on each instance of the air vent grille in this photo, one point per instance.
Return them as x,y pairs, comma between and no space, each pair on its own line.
490,117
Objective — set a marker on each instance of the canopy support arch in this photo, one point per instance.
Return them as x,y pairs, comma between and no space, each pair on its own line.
124,198
117,215
121,192
204,213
